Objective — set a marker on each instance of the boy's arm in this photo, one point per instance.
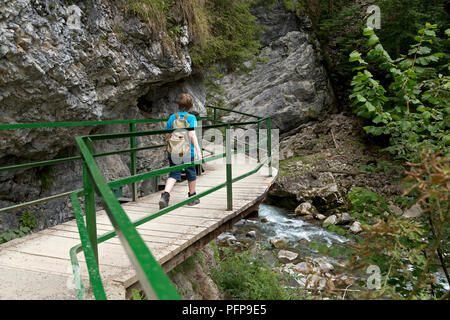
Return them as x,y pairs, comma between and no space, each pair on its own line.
193,137
194,140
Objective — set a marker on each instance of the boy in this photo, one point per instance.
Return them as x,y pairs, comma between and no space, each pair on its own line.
185,103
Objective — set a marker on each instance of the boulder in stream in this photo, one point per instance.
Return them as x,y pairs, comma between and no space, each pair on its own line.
331,219
356,227
279,243
287,255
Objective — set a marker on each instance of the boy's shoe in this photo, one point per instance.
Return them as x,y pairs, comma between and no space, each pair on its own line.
193,202
164,201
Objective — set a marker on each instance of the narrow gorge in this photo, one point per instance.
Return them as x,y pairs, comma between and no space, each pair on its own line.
107,60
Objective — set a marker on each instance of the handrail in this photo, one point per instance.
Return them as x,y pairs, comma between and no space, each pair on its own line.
151,275
147,218
115,211
30,165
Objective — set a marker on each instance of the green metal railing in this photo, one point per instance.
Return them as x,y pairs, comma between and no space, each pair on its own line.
154,281
132,150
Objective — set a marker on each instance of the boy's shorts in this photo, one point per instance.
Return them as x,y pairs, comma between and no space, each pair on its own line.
191,173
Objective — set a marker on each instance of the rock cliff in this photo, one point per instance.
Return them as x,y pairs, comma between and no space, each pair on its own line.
287,82
77,61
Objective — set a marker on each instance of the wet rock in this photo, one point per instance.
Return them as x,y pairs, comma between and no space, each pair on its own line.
264,220
320,216
308,217
414,212
287,255
395,209
345,218
251,234
356,227
279,243
331,220
323,264
303,241
318,188
306,208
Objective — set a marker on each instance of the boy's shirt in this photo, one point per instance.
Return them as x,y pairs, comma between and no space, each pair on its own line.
192,124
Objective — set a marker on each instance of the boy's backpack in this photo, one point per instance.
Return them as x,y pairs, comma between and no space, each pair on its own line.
179,143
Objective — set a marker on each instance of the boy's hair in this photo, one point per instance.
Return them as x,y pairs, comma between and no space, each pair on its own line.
185,102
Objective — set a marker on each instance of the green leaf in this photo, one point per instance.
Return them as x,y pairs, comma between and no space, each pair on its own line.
368,31
370,107
354,56
372,40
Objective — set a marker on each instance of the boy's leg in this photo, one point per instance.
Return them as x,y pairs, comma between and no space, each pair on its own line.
169,184
192,181
173,178
192,185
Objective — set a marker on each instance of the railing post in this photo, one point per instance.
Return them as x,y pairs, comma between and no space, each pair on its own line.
89,205
259,144
269,145
229,168
198,133
133,162
215,116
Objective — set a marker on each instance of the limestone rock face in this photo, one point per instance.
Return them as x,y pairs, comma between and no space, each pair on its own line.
288,85
55,68
81,61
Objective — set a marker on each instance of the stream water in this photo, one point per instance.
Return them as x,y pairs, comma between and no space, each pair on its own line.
283,224
297,234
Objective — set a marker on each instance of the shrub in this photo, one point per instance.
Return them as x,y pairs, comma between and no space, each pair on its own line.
408,251
243,276
410,104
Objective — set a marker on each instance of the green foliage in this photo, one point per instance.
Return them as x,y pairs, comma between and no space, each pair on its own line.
221,31
189,264
381,166
13,234
136,295
337,25
234,35
367,205
243,276
46,177
166,17
27,222
405,250
401,18
411,103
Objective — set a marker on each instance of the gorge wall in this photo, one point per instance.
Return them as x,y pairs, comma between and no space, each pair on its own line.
109,65
287,81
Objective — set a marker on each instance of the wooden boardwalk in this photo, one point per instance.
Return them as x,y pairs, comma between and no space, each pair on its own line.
38,266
